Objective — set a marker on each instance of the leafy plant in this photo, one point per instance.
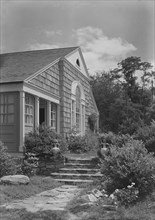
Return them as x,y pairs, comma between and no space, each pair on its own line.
126,196
42,140
82,144
112,139
77,144
92,121
147,135
8,165
128,164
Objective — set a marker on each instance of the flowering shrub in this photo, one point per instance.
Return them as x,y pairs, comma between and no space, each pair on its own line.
126,196
8,165
129,164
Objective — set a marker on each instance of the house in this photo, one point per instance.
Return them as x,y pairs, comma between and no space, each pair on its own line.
43,86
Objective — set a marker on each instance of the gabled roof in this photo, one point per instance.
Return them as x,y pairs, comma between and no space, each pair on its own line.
18,66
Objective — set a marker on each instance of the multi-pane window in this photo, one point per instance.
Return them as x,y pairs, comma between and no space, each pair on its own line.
7,108
83,119
73,113
29,109
78,109
53,116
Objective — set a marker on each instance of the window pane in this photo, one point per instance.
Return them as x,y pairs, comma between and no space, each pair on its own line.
5,108
26,99
10,108
10,118
4,119
31,110
27,109
10,99
1,109
1,119
2,99
31,120
53,115
5,99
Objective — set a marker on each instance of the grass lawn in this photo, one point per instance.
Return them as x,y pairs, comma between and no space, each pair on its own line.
37,185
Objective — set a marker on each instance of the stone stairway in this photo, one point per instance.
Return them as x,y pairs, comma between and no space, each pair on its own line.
76,171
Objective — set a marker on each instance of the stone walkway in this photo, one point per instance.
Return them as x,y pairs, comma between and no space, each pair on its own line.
55,199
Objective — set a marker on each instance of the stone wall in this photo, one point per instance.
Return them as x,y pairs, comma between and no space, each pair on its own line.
48,164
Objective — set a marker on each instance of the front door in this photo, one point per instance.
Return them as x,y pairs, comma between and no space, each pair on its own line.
42,112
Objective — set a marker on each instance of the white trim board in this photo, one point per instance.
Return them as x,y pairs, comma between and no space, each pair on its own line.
40,94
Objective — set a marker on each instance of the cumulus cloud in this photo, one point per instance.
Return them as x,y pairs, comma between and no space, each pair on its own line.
100,51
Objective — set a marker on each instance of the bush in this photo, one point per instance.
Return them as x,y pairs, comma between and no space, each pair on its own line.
126,196
77,144
129,164
147,135
8,165
30,164
92,141
41,140
83,144
112,139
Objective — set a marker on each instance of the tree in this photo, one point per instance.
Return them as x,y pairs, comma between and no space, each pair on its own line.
123,100
106,90
128,70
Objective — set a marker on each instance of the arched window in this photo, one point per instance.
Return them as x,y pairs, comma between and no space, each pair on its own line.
78,108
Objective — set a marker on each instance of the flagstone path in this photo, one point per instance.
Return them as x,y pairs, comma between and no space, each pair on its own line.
55,199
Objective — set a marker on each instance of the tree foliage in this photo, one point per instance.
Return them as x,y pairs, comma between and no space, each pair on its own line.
124,100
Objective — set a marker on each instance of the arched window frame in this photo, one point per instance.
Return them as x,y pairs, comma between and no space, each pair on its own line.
76,85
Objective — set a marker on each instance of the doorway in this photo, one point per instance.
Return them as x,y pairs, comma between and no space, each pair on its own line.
42,112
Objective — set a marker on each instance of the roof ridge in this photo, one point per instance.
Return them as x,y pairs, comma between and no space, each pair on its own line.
28,51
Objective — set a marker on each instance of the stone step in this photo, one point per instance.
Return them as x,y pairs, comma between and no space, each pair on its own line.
75,176
78,170
79,161
78,165
73,181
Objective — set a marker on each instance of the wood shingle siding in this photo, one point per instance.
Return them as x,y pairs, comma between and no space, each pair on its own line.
48,80
68,75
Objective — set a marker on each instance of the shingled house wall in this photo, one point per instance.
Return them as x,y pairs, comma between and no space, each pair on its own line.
69,74
48,80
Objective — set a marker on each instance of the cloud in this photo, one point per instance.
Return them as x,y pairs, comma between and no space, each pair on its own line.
39,46
100,51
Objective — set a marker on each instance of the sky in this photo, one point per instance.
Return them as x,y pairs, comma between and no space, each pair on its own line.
107,31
